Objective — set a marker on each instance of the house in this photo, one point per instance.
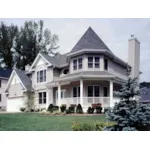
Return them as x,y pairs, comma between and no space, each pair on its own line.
4,77
145,95
88,74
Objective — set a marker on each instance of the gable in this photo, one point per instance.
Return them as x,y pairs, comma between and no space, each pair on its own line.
39,61
15,80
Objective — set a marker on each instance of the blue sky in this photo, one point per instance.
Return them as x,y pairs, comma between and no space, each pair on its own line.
114,32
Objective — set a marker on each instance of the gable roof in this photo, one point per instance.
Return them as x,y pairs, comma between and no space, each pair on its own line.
90,40
58,60
24,79
5,73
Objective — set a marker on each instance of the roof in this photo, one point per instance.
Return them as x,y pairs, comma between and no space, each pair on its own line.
58,60
90,40
25,79
5,73
87,74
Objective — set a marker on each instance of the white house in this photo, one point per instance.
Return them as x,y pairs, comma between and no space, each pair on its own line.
88,74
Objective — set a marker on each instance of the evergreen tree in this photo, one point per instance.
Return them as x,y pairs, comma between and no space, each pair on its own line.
31,40
129,114
7,36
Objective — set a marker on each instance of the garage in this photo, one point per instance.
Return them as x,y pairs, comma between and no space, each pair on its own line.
14,104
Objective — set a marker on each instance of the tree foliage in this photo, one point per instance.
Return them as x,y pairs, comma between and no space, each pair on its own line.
20,45
8,34
129,114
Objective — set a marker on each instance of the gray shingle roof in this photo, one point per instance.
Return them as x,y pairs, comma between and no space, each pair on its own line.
25,79
90,40
58,60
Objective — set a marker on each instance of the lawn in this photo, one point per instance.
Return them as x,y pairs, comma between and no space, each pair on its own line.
37,122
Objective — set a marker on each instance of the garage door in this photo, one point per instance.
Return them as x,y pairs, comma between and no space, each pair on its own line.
14,104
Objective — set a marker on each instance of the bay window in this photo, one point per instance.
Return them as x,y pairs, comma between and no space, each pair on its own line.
77,64
94,62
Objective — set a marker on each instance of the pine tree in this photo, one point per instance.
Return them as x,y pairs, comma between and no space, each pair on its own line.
129,114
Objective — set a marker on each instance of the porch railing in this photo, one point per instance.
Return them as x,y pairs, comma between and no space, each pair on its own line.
87,101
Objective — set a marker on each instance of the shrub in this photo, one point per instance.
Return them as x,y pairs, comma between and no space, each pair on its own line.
45,113
63,108
32,110
105,110
37,110
55,108
71,109
98,109
99,126
90,110
79,109
50,108
56,112
22,109
77,126
96,126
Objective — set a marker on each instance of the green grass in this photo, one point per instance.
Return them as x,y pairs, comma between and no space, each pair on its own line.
37,122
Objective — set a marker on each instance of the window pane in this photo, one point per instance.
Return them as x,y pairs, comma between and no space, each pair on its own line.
79,91
90,65
44,100
75,92
75,62
40,95
105,64
74,67
105,92
40,100
90,59
90,91
97,65
44,75
96,91
80,63
62,94
96,59
44,94
38,74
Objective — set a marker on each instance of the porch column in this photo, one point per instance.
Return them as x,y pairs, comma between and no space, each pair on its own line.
81,92
47,98
111,93
59,94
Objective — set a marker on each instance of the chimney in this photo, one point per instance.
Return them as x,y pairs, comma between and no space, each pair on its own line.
27,67
134,56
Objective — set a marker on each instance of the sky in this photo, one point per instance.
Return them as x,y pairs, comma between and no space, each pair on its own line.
114,33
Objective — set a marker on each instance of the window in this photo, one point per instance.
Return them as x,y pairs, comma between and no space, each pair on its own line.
75,64
0,97
105,64
105,92
0,83
63,94
76,91
93,91
97,64
90,62
41,76
42,98
80,63
95,61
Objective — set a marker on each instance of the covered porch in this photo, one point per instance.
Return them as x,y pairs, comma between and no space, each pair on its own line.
86,92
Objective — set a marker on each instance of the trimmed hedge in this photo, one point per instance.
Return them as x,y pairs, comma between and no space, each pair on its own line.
79,109
63,107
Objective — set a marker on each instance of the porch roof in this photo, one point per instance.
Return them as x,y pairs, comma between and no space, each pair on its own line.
86,74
